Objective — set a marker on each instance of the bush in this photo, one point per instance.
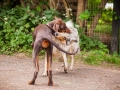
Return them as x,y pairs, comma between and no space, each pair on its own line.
90,43
95,52
16,26
98,57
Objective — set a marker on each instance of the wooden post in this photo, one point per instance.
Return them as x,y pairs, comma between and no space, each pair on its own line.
80,9
115,47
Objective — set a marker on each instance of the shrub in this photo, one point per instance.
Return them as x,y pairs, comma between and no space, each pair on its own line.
98,57
90,43
16,26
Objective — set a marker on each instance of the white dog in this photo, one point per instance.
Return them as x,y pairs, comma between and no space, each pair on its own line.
69,43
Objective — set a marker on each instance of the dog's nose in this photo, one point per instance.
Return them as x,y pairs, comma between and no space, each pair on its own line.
75,40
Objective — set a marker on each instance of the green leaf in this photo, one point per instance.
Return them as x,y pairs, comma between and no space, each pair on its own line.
27,25
38,8
25,16
21,28
84,15
48,16
32,29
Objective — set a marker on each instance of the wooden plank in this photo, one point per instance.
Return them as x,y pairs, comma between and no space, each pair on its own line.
72,7
67,0
35,0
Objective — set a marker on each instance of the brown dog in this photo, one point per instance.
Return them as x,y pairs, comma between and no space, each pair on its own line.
42,37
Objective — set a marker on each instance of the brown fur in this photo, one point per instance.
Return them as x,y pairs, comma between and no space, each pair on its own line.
45,43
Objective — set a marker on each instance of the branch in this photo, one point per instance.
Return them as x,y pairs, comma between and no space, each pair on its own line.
66,8
2,19
22,3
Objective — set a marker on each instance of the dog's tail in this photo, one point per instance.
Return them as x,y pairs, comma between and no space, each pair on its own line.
59,48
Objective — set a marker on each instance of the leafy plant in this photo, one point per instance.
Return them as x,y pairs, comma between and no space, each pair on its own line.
98,57
106,29
84,15
91,11
48,15
16,29
87,44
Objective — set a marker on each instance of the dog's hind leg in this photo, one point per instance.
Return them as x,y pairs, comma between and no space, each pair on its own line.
36,50
49,65
45,67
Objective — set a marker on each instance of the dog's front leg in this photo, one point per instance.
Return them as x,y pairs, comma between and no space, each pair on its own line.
72,62
65,62
49,65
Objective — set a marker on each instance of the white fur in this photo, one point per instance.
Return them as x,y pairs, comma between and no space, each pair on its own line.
72,47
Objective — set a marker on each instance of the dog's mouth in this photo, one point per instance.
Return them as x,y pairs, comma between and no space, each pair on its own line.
64,38
67,41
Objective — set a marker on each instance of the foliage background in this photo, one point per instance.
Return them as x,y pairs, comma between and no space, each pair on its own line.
16,29
17,24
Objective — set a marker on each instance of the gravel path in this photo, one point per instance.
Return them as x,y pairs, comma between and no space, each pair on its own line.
15,72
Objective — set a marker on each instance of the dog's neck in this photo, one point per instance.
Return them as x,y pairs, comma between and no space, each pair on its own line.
53,32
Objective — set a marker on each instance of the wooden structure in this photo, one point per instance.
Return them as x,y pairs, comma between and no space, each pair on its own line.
72,4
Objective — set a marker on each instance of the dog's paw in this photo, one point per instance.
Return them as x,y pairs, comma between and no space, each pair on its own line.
70,69
50,83
44,74
65,70
63,65
31,83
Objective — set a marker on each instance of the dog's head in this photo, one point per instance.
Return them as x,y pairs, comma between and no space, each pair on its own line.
58,25
65,38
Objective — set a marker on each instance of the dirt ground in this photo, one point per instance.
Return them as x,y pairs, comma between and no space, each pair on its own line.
15,72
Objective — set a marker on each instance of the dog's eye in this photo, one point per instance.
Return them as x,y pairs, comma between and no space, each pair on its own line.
64,38
56,34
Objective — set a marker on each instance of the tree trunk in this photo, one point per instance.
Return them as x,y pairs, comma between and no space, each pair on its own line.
53,4
96,18
115,41
80,9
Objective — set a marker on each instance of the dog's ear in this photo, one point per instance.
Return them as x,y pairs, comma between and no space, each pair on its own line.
56,27
57,18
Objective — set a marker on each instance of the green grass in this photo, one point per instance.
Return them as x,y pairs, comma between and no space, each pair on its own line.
106,28
97,57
